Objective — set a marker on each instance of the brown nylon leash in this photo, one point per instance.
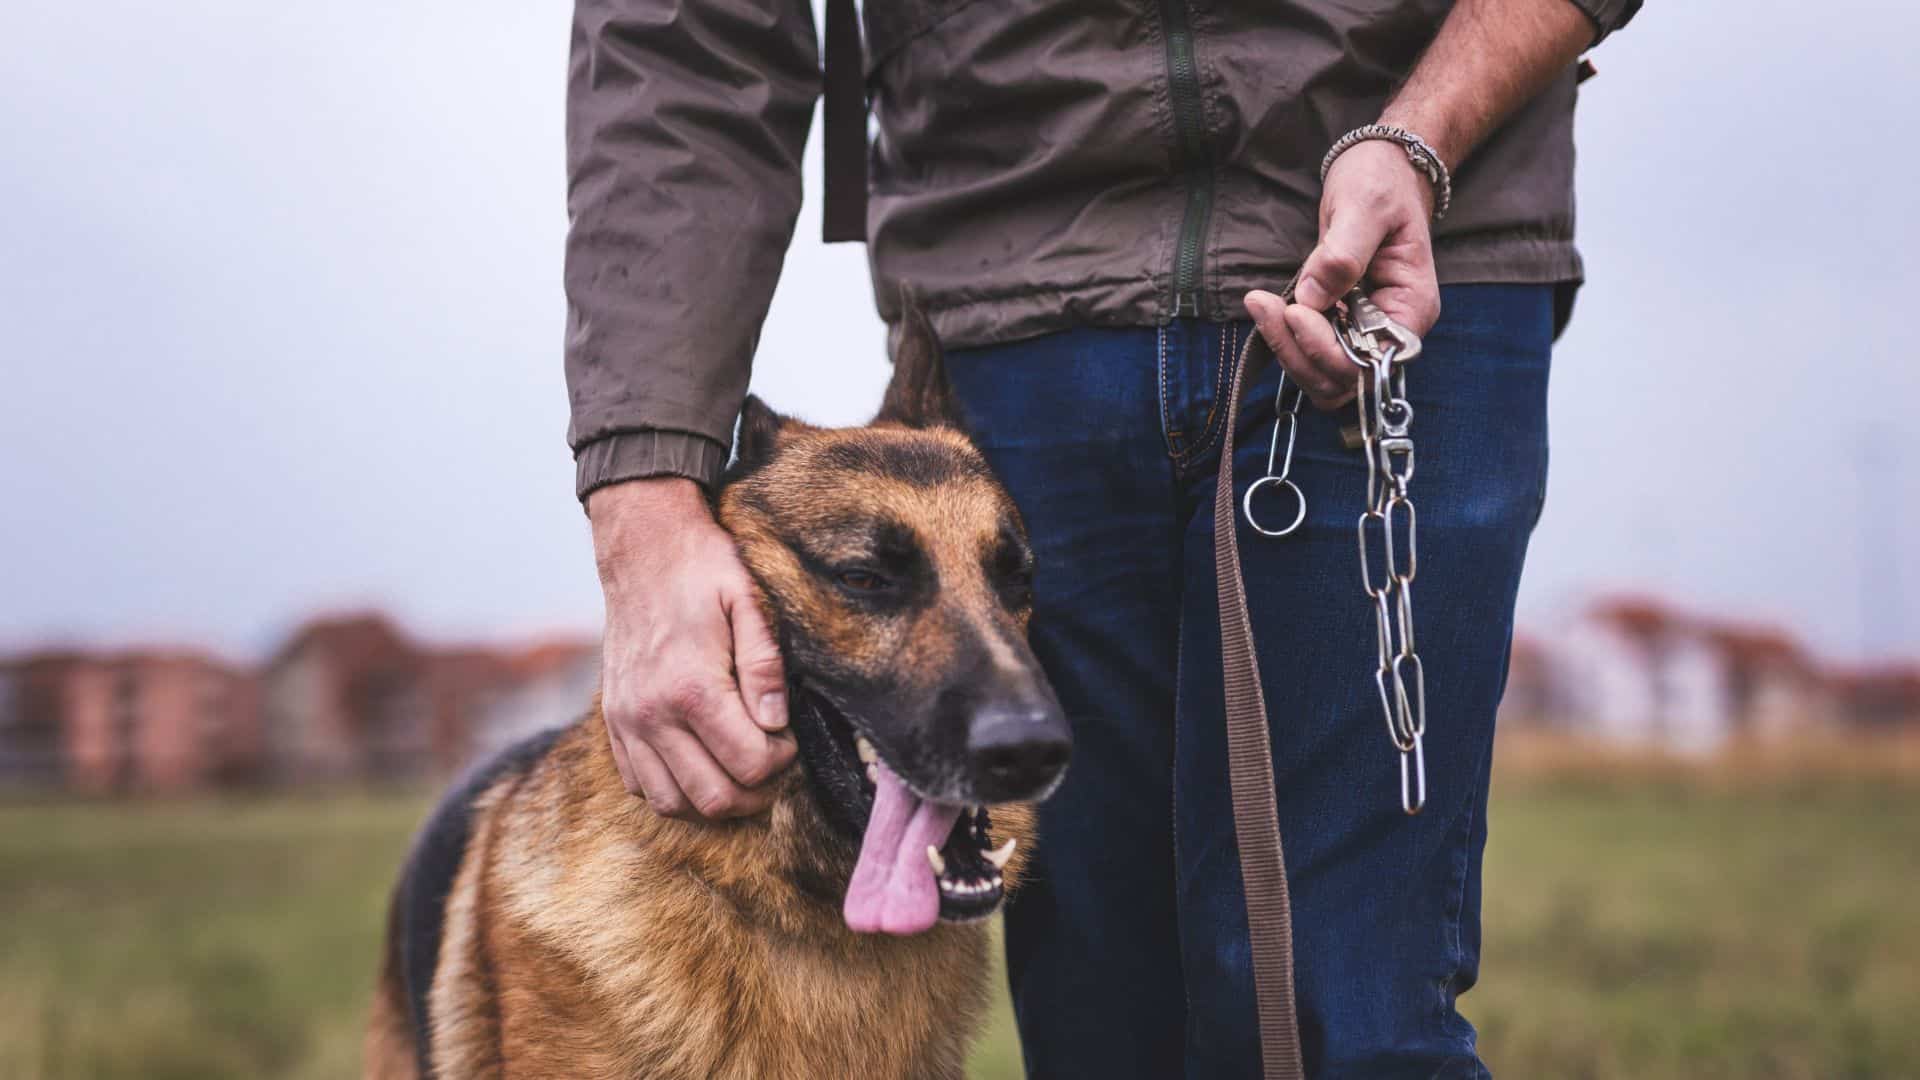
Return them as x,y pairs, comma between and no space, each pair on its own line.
1256,817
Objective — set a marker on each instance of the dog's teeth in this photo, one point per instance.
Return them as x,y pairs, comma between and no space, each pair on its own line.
999,856
866,751
934,860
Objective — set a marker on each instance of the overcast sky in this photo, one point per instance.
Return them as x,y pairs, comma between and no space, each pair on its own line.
280,322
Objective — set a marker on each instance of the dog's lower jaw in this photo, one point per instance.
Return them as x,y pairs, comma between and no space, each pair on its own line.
676,924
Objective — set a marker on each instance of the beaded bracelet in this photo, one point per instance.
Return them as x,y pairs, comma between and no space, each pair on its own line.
1418,152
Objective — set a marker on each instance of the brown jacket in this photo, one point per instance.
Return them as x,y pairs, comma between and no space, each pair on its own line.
1039,164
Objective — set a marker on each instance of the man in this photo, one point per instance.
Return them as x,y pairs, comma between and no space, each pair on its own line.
1089,198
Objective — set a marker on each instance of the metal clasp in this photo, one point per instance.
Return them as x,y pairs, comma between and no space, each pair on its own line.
1280,478
1367,329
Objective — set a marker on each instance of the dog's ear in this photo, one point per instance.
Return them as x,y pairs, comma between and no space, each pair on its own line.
919,395
760,429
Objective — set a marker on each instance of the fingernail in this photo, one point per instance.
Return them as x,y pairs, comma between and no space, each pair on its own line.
1259,304
773,710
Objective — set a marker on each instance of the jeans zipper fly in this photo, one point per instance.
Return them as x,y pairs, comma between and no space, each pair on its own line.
1183,78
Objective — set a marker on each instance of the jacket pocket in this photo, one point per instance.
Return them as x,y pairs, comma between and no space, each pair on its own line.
891,24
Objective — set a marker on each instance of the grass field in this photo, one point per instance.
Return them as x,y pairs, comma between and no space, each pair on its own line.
1637,925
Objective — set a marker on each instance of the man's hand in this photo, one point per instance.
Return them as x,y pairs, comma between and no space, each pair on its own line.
1374,216
691,680
1488,58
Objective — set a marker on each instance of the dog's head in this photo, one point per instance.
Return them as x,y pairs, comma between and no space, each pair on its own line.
900,579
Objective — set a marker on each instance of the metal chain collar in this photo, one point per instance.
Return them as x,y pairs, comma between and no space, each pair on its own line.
1380,348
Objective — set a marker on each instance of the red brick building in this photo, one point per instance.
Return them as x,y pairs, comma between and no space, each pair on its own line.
347,699
1885,698
146,721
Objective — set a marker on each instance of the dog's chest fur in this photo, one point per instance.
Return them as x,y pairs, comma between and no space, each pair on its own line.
587,938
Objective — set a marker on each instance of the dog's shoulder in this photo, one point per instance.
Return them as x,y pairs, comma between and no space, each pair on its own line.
439,849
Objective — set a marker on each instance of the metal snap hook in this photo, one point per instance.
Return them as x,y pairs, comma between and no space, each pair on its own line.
1287,416
1299,504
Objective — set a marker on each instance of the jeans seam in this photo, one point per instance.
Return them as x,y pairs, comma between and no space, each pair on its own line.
1179,664
1166,416
1211,428
1540,498
1451,1062
1457,955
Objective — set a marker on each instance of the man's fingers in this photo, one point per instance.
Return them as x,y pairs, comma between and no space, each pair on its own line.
1327,376
627,778
714,714
1416,307
756,662
708,787
1340,259
655,780
1269,317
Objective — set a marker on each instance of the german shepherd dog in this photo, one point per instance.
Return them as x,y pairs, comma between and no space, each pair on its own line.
548,924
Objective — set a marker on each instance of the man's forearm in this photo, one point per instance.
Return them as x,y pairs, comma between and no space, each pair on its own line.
685,124
1490,57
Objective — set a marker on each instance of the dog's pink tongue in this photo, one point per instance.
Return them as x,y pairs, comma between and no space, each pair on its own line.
893,888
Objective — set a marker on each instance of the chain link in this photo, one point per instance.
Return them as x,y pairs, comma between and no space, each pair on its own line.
1287,416
1381,348
1387,530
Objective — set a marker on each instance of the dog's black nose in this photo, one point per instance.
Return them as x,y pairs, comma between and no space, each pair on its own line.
1016,751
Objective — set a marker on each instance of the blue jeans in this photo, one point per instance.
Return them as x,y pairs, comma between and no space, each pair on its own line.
1127,950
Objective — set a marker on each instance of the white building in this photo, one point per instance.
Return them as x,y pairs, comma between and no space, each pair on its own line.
1635,672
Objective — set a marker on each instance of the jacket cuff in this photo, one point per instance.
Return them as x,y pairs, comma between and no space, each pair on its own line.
1607,15
636,455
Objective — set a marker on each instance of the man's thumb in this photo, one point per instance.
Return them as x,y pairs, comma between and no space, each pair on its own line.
1339,260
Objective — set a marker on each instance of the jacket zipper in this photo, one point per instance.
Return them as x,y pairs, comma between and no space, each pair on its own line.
1183,78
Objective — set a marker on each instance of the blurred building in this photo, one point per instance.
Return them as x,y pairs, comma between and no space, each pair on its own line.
1636,671
345,700
32,694
1881,699
351,698
556,682
147,721
1532,694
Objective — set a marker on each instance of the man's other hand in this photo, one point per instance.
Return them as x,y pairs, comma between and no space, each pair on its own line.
1374,224
691,679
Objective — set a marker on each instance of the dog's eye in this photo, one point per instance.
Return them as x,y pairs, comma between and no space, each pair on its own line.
863,580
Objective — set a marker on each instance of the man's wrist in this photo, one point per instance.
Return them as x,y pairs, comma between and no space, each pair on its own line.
1382,158
1412,150
624,511
1432,127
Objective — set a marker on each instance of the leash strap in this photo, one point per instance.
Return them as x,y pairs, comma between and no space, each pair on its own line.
844,190
1256,818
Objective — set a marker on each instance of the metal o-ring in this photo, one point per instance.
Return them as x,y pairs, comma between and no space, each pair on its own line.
1299,502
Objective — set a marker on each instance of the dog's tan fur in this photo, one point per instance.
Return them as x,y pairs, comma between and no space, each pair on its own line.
586,936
